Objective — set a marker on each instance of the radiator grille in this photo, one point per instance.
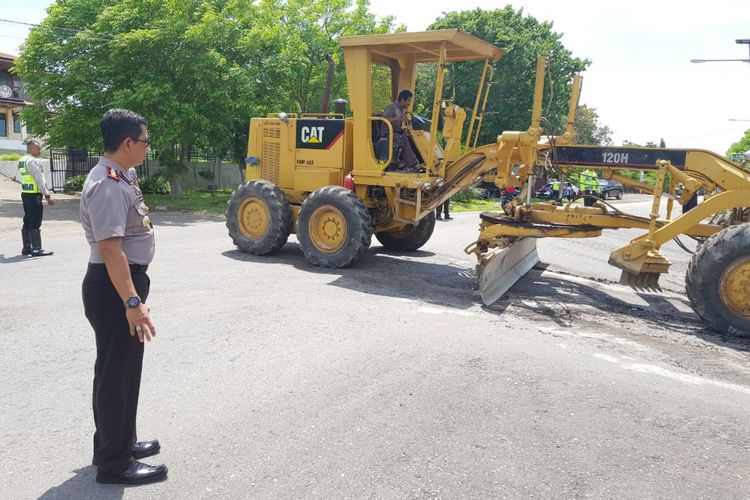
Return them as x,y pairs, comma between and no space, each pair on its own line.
270,161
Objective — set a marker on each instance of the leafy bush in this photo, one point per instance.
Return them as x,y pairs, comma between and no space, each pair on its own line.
74,184
467,194
154,185
10,157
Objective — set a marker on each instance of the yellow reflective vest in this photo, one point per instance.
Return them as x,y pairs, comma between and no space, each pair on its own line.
28,183
589,181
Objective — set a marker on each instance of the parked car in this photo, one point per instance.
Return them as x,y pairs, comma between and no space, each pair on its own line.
610,189
569,190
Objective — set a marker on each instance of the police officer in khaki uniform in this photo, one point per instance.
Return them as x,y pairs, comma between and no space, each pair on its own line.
33,187
115,288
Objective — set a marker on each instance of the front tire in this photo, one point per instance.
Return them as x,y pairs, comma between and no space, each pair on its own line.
259,217
411,237
718,281
334,227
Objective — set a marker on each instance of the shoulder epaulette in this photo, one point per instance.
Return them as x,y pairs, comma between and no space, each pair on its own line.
113,174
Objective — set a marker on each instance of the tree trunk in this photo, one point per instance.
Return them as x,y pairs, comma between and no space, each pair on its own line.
175,188
329,84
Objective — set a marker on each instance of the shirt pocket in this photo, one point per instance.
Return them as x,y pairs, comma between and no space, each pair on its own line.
138,221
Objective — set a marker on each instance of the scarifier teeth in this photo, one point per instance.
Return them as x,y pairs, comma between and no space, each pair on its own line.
642,281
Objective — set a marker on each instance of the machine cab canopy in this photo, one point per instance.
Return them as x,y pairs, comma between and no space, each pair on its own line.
424,47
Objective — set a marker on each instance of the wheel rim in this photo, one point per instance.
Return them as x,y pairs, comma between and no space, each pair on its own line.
327,229
734,288
253,218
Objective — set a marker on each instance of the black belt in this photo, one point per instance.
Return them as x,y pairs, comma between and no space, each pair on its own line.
134,268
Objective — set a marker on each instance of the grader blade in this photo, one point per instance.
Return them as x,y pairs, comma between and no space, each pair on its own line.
500,268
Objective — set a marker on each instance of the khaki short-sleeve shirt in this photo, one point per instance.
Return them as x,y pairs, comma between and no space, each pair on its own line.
112,207
393,110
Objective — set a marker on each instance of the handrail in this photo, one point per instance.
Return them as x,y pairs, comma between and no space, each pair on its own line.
482,79
484,106
390,137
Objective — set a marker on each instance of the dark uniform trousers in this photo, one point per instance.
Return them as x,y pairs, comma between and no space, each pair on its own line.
117,372
33,210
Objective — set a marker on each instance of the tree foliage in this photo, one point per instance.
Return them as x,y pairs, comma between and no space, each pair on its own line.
741,146
588,130
196,69
510,101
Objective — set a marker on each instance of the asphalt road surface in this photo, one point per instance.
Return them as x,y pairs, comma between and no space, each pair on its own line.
270,378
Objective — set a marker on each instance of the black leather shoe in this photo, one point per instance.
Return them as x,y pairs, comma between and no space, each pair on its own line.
141,449
137,473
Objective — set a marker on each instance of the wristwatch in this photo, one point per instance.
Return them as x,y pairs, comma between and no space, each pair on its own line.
132,302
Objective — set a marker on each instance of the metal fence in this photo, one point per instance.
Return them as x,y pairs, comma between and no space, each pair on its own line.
67,163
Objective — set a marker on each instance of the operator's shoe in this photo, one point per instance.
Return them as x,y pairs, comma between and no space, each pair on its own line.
448,217
438,217
141,449
136,473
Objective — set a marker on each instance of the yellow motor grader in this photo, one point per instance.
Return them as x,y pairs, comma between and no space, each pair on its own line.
335,180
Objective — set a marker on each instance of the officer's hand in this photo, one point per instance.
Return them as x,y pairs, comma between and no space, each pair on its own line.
50,201
140,323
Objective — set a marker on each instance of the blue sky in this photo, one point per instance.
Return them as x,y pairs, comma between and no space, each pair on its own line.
641,80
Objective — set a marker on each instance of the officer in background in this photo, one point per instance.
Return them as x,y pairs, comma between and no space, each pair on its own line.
555,189
443,207
119,232
590,186
33,187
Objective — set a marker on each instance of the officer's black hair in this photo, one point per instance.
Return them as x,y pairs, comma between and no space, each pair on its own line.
404,95
119,124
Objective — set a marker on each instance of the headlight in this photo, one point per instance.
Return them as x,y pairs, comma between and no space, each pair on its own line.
439,182
426,186
282,116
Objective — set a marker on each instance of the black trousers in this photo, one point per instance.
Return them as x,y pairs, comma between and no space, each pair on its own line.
117,372
443,207
33,210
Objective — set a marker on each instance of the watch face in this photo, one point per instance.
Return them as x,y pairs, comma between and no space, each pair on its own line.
133,301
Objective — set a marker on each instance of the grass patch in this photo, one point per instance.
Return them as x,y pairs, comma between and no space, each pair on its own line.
474,205
195,202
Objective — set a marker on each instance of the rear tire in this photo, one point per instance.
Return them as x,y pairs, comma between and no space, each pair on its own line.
334,227
718,281
411,237
619,195
259,217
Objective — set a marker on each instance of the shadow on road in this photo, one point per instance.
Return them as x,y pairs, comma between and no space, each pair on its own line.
12,260
83,485
542,296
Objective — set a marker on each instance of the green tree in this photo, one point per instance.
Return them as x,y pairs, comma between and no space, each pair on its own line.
179,63
510,100
588,130
741,146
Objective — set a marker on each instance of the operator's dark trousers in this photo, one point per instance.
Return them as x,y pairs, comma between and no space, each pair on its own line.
33,210
117,373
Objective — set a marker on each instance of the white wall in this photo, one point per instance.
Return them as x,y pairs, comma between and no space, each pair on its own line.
10,169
